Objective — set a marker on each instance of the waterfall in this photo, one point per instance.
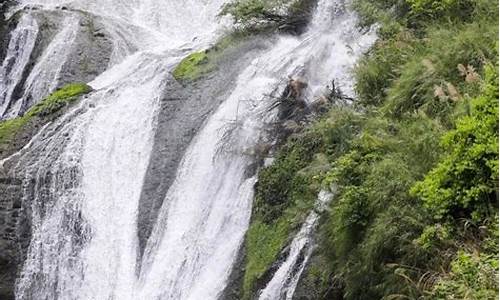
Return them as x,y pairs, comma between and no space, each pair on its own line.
88,167
328,50
18,53
84,172
45,75
286,278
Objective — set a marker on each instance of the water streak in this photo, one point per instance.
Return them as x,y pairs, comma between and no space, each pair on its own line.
21,45
286,278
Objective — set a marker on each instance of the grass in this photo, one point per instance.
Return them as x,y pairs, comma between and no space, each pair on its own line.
414,164
264,243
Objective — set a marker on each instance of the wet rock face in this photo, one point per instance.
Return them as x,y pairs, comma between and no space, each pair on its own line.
314,287
10,210
15,213
233,290
89,55
4,39
183,110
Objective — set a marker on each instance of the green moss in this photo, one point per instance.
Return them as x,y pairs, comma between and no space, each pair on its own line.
59,99
263,244
10,128
193,66
197,64
285,193
51,104
265,240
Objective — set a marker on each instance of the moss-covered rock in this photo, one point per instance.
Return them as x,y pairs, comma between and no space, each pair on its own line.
197,64
59,99
193,66
48,108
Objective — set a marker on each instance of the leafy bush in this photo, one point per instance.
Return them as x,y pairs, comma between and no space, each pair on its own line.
465,183
431,81
257,15
286,191
414,165
473,276
273,194
439,8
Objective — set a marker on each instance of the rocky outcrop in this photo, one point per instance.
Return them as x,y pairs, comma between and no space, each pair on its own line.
4,27
89,55
15,216
12,232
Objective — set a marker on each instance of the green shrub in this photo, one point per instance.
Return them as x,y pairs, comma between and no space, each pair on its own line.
431,80
376,71
465,183
380,11
473,276
258,15
414,165
425,9
273,193
248,11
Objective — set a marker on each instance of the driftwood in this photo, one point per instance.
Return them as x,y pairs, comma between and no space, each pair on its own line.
336,94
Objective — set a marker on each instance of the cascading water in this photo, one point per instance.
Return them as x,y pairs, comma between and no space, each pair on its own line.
329,49
18,53
44,77
286,278
90,164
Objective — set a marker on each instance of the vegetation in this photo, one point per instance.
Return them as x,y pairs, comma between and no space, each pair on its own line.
198,64
48,106
414,164
262,15
192,67
251,17
280,206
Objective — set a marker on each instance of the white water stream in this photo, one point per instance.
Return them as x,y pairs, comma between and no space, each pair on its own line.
17,57
286,278
90,164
